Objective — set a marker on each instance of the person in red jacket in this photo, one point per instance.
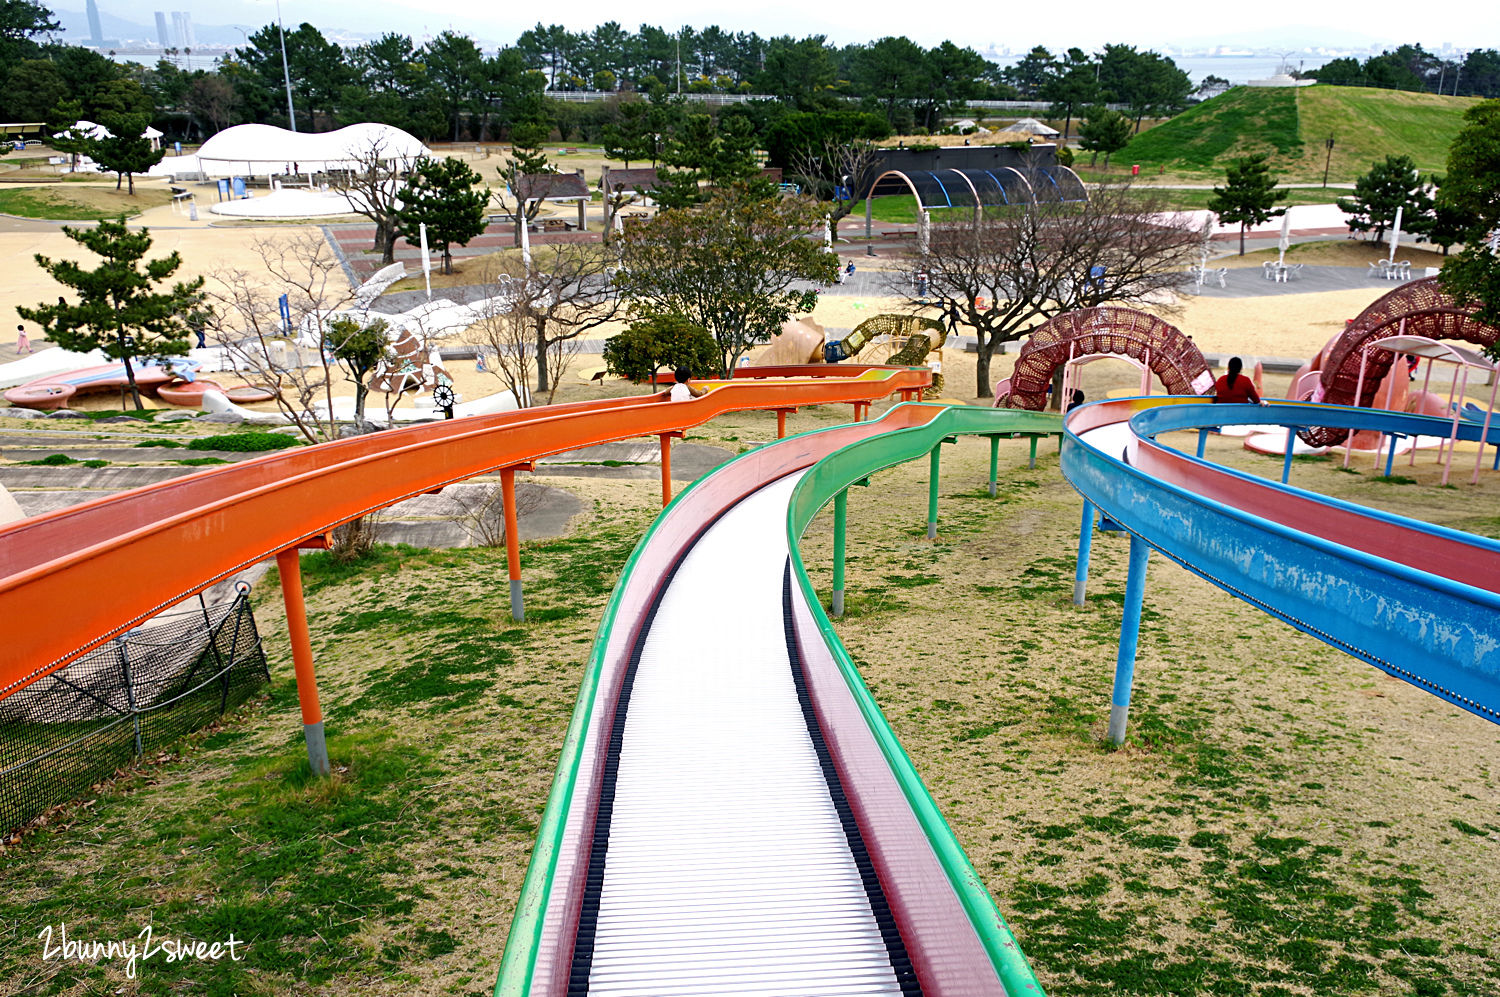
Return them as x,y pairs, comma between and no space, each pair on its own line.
1234,388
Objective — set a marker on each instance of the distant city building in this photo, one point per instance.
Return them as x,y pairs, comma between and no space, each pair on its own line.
161,30
182,27
96,33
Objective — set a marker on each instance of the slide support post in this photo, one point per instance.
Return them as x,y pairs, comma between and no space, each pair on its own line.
1286,465
1202,441
994,463
1130,629
290,567
666,469
512,544
1032,462
840,524
1085,545
932,491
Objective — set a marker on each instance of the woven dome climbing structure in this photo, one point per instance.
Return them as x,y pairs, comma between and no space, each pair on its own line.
1158,345
1420,308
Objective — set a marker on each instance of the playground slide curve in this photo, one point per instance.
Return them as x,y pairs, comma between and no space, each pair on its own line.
662,805
94,570
1420,602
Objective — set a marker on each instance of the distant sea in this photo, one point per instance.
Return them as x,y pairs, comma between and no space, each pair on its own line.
1242,68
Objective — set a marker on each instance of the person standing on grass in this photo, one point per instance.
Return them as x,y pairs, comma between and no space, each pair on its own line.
23,343
1235,388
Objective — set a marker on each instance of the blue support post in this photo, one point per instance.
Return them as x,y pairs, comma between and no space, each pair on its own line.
1286,465
1390,458
1085,545
1130,631
1202,441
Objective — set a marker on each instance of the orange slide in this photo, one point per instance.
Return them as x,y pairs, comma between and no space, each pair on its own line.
72,579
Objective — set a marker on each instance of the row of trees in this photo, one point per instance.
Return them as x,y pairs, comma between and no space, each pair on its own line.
450,88
1410,67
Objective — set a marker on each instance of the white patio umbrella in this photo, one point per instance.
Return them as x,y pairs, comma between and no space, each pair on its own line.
1286,235
1396,233
426,259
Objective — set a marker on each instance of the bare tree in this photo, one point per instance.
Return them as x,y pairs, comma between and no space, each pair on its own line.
566,292
370,185
837,172
1010,267
481,508
299,363
504,334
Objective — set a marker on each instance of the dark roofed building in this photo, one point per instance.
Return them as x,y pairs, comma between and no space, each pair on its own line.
629,184
555,187
552,187
627,181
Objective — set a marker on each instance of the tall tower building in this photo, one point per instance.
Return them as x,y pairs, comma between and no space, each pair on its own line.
96,33
161,30
182,27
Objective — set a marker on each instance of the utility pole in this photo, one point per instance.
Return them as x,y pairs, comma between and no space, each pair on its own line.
679,61
1327,160
286,72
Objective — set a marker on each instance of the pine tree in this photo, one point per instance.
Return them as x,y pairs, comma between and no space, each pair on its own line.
446,196
1103,131
126,151
1473,276
118,311
1249,195
526,157
1392,184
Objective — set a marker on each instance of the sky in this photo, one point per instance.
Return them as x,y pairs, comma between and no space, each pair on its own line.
1088,24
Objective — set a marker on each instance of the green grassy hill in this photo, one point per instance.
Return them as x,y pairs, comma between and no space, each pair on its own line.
1293,124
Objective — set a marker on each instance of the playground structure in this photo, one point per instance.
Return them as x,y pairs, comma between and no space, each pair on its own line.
1076,338
975,189
893,339
54,391
1420,602
853,880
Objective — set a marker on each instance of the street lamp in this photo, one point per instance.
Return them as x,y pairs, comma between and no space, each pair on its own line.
1328,159
286,73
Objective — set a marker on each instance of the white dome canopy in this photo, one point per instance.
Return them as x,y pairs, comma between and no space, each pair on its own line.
262,150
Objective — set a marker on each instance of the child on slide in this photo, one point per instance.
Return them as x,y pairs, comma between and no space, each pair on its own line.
682,390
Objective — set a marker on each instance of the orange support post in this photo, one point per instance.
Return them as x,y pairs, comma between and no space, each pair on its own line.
666,466
781,414
512,543
307,682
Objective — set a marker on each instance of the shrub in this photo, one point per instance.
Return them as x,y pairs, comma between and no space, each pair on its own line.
244,442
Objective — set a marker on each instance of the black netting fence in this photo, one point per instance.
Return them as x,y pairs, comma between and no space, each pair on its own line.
139,692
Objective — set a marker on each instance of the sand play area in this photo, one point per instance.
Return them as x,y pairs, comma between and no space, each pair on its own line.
1290,326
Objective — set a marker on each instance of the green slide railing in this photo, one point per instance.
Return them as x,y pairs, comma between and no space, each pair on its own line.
827,479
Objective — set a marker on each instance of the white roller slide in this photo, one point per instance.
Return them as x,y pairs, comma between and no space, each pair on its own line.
728,871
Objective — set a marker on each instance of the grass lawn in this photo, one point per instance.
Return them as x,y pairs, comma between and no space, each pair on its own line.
79,203
1292,125
902,208
1282,821
1365,130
